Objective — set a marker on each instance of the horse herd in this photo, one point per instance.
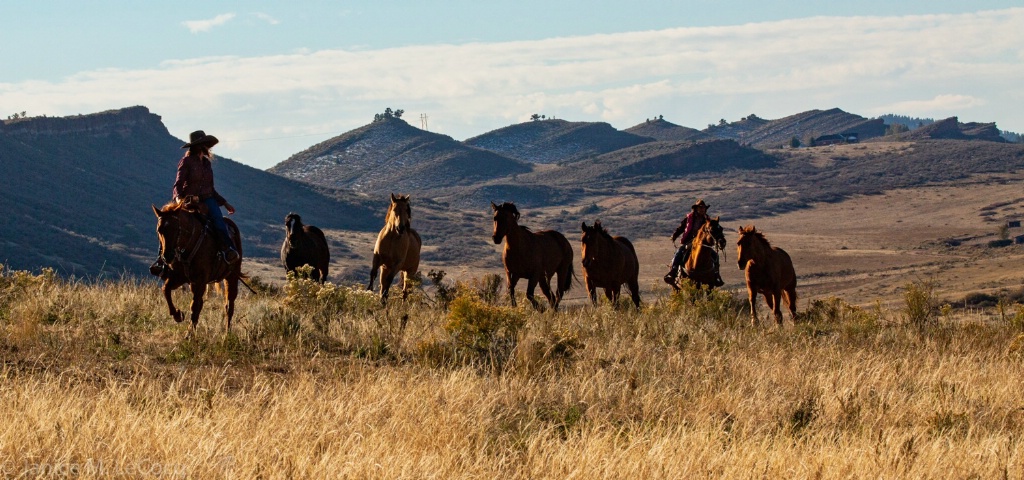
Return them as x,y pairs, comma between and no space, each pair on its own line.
191,256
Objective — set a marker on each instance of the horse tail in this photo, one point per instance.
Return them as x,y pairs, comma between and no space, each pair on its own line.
566,274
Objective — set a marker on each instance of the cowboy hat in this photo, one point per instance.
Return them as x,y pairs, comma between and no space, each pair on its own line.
200,137
699,203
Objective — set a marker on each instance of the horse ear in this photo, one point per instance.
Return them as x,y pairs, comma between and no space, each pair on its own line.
717,218
583,226
393,199
493,206
156,211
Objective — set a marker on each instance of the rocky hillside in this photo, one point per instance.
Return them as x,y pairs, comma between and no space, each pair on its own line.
952,129
555,141
76,194
392,156
761,133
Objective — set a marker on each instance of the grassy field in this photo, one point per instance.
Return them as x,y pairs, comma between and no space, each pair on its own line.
97,381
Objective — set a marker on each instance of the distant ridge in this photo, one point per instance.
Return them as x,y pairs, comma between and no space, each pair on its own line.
555,141
663,130
391,155
761,133
76,194
952,129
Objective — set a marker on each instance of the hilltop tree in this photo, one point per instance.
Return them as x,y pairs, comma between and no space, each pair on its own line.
388,113
794,142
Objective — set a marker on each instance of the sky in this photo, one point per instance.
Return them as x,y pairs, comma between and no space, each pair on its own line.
270,79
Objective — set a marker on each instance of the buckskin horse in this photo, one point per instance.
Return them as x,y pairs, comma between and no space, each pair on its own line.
769,271
397,248
535,256
609,262
700,266
190,252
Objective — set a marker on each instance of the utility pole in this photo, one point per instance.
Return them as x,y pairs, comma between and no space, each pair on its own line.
423,122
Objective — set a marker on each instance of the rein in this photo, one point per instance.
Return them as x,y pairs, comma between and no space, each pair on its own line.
179,252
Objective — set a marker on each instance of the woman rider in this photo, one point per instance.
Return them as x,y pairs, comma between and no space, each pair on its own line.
195,178
688,228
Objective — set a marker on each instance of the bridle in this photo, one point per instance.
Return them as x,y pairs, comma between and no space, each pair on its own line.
178,253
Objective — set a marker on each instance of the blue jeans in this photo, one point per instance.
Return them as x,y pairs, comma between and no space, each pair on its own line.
217,219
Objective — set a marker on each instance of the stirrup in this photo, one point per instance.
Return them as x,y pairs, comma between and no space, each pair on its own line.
230,256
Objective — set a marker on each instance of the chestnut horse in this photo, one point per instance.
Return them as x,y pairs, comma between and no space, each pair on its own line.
305,245
609,262
700,267
769,271
191,252
535,256
397,248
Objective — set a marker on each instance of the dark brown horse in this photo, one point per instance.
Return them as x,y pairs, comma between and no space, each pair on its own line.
192,255
700,266
397,248
769,271
535,256
305,245
609,262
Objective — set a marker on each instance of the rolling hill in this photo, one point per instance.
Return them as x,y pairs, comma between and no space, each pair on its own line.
555,141
77,192
392,156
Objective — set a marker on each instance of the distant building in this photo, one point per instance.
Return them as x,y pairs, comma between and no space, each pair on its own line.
836,139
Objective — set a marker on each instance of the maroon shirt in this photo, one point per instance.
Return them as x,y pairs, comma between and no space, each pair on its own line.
689,226
195,177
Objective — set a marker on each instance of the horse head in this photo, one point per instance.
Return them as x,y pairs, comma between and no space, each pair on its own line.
400,213
168,229
717,232
592,242
293,224
750,246
506,217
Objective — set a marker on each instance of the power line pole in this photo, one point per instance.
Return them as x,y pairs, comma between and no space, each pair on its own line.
423,122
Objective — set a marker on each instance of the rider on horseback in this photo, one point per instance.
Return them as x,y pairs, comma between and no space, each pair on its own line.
195,178
688,228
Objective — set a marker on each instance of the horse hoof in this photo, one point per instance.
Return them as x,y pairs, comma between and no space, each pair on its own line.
178,317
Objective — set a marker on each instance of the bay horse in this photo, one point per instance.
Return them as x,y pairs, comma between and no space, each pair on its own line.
191,252
305,245
700,266
609,262
397,248
535,256
769,271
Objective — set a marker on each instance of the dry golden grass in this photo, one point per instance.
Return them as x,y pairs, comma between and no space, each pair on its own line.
320,382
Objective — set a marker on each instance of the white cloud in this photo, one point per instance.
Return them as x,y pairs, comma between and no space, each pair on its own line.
939,106
197,26
692,76
266,18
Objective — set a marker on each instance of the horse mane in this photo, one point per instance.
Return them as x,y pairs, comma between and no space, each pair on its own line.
173,206
751,230
600,230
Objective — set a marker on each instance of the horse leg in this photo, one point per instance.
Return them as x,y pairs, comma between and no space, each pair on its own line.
387,277
512,281
609,293
591,290
231,292
634,292
373,271
777,306
545,288
198,291
752,297
169,286
531,284
405,285
790,294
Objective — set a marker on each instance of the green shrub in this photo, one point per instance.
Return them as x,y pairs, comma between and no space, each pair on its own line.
919,303
481,329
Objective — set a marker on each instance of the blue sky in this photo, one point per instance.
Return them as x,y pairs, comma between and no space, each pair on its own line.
270,79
